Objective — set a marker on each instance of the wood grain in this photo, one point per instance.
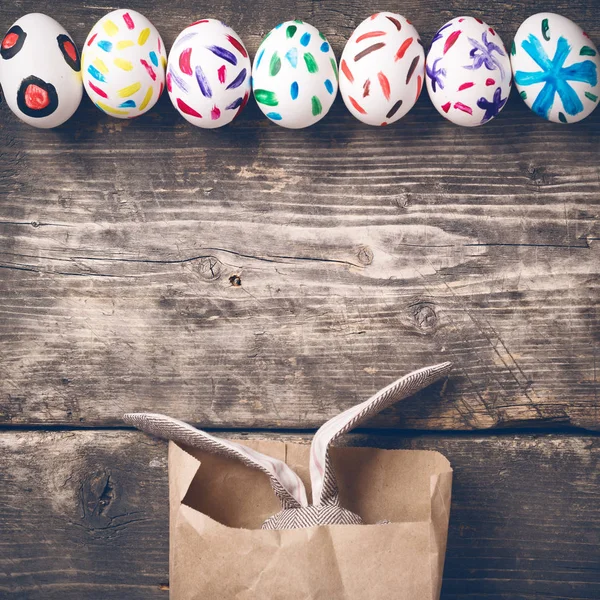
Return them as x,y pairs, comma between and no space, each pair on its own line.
258,277
84,514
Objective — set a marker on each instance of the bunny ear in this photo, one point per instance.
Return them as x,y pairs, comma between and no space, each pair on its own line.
324,485
288,487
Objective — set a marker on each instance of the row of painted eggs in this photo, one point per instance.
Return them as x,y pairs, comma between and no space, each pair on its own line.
294,78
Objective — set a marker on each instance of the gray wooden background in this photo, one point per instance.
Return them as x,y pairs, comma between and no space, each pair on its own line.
261,280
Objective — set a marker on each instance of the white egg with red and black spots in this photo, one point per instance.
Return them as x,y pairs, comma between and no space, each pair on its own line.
294,76
382,69
123,61
468,72
208,74
40,71
555,67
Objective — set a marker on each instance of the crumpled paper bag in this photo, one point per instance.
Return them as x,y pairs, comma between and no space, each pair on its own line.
218,550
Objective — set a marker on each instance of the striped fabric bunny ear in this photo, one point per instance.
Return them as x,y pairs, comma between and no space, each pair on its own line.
288,487
324,485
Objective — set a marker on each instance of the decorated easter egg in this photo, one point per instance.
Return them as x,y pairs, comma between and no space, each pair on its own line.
468,72
123,62
382,69
40,71
555,67
208,74
294,76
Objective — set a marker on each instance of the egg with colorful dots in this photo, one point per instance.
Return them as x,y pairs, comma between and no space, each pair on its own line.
555,66
294,76
123,63
40,71
382,69
208,74
468,72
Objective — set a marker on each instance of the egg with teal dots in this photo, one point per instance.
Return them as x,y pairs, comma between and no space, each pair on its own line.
294,75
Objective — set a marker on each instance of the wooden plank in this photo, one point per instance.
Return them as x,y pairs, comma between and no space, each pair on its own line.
84,514
258,277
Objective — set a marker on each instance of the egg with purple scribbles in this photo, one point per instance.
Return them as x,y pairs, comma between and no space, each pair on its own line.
208,74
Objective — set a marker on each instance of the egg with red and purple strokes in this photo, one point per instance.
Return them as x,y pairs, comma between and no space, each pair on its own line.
208,74
294,76
40,71
468,72
123,61
382,69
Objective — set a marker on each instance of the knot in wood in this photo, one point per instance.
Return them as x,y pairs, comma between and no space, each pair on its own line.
365,255
210,268
235,281
424,315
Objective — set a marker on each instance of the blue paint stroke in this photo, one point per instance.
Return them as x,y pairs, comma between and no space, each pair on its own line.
493,107
329,86
203,82
154,58
96,74
181,84
259,57
292,56
127,104
274,116
555,76
294,90
235,104
439,35
324,47
184,39
105,45
305,39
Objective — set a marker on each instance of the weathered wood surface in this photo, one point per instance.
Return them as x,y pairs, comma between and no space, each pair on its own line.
84,514
258,277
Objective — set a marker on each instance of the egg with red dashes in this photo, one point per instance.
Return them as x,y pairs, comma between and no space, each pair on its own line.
382,69
468,72
123,63
208,74
40,71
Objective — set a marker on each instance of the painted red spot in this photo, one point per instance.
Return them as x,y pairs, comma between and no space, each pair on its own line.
370,34
384,123
409,22
479,21
374,16
91,40
215,113
169,82
446,107
357,106
98,91
200,21
385,84
149,69
222,72
451,40
70,50
347,72
465,86
159,44
244,102
419,86
461,20
491,30
237,45
162,87
403,48
184,61
36,98
128,21
188,110
9,41
463,107
489,81
586,35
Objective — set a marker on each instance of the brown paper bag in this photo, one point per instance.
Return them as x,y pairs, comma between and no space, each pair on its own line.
219,552
376,526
